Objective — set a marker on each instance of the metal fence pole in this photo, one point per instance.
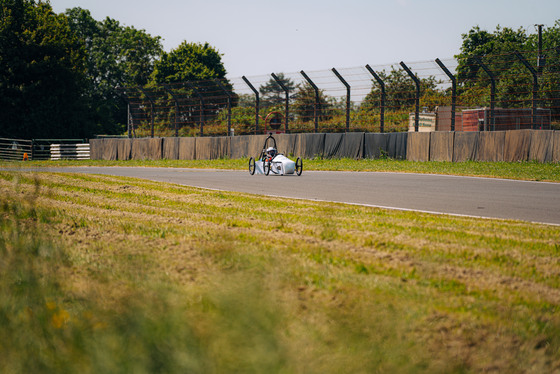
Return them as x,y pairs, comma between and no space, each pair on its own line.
453,91
535,90
347,97
287,105
317,103
382,101
228,94
417,98
256,102
201,117
152,105
166,87
492,90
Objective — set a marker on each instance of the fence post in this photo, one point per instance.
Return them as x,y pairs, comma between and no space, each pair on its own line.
417,98
256,102
166,87
382,102
535,90
124,96
228,105
347,97
152,104
287,107
316,106
492,90
192,87
453,91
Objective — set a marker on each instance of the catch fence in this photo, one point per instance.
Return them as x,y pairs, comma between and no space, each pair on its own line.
490,93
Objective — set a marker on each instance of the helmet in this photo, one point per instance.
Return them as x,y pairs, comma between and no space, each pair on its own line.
271,151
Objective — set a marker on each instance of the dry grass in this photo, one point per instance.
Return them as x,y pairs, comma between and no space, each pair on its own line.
206,281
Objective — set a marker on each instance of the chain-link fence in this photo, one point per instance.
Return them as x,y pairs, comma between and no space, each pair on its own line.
493,92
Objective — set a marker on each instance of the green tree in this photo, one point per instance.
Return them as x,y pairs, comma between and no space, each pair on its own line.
400,91
117,56
305,104
42,73
272,93
193,71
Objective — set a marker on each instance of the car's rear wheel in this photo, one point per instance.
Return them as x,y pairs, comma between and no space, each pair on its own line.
299,166
251,166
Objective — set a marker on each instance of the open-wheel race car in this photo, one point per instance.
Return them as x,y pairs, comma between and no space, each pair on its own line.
270,161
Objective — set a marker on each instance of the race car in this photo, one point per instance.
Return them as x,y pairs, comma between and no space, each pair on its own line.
270,161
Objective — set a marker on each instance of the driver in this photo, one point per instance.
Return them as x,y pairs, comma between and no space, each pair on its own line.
271,153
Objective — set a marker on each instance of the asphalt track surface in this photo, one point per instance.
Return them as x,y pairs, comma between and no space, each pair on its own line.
439,194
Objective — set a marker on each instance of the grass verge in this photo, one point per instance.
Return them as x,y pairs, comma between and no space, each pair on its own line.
111,274
534,171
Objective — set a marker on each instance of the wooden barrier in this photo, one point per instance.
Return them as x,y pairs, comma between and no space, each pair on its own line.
512,146
441,146
418,146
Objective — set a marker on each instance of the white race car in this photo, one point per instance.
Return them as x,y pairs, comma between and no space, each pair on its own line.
270,161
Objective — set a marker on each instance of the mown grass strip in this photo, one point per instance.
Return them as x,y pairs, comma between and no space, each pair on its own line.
209,281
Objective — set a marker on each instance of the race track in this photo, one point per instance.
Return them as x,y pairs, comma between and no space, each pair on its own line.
479,197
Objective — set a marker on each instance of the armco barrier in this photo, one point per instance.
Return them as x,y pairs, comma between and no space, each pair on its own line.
418,146
465,145
441,146
516,145
541,146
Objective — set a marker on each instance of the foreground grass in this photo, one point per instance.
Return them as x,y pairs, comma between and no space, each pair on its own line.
111,274
533,171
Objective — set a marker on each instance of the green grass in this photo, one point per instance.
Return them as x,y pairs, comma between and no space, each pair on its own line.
533,171
113,274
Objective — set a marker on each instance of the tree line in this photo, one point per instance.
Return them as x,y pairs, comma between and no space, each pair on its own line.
65,75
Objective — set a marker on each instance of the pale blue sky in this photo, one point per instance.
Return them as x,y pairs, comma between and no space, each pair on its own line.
260,37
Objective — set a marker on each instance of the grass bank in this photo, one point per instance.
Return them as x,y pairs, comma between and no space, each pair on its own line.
510,170
111,274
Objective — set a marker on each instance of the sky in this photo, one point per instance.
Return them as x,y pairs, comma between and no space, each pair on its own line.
262,36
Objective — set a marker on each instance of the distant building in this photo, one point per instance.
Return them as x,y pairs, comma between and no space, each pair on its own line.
479,119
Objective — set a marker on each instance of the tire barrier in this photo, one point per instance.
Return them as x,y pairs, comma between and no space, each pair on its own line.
512,146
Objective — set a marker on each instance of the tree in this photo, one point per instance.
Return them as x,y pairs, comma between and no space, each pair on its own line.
305,104
273,94
42,73
400,91
497,51
193,71
117,56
